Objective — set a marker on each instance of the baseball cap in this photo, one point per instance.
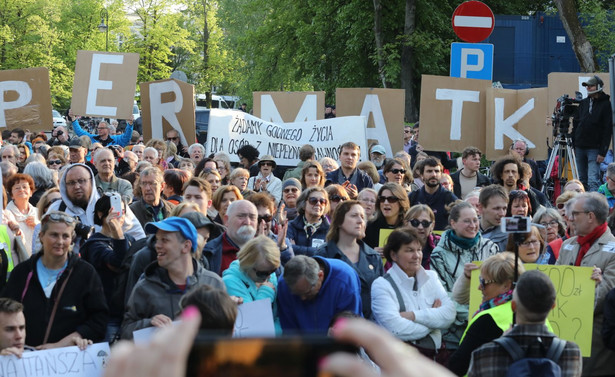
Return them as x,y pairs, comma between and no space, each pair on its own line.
378,149
76,143
592,81
175,224
198,220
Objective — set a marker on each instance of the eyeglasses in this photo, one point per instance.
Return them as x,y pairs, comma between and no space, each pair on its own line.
54,162
337,198
425,223
398,171
390,199
314,201
289,190
551,223
80,182
366,200
262,274
267,218
532,243
267,163
576,213
149,184
57,217
483,283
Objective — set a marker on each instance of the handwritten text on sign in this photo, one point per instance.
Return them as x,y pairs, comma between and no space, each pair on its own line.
230,130
67,361
573,316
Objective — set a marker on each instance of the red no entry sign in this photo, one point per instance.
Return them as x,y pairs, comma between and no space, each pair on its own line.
473,21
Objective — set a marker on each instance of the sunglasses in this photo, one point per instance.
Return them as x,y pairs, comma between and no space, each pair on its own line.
54,162
483,283
266,163
425,223
390,199
58,218
398,171
313,201
262,274
337,198
289,190
267,218
173,138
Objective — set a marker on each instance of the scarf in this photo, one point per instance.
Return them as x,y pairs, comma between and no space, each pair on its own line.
310,229
462,242
500,299
585,242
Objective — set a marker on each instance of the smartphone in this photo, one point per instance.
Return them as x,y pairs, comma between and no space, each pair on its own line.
116,204
286,356
515,224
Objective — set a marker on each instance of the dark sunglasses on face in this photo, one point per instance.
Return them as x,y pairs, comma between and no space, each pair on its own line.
54,162
390,199
313,201
267,218
262,274
425,223
337,198
398,171
173,138
266,163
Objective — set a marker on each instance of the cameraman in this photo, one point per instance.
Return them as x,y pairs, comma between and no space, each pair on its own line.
592,133
59,136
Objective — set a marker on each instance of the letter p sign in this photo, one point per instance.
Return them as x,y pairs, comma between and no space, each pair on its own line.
472,60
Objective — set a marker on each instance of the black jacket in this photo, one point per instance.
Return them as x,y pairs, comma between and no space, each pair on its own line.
593,130
82,307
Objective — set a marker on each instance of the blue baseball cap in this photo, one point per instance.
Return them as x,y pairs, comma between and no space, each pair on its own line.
175,224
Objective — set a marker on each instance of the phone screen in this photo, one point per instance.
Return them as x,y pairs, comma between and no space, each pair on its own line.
261,357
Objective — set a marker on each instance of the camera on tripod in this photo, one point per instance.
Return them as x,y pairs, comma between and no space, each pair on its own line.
565,108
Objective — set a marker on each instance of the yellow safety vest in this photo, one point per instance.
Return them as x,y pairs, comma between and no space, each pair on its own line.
5,243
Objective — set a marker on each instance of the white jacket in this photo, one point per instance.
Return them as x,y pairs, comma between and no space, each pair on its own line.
429,320
274,186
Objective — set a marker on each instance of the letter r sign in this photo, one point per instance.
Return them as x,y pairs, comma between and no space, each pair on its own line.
472,60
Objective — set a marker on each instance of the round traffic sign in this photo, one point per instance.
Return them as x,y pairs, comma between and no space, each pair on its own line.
473,21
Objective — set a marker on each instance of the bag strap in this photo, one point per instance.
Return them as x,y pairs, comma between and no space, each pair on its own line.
55,306
556,349
511,346
25,289
62,207
389,278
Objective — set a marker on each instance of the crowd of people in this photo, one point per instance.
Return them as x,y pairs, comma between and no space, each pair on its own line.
390,239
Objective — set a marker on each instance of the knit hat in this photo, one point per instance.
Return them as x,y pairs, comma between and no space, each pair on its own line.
291,182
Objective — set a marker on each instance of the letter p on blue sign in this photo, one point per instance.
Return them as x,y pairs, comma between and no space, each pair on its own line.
472,60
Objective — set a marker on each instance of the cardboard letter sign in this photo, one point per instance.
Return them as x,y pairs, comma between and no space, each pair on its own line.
384,110
25,99
289,107
105,84
165,105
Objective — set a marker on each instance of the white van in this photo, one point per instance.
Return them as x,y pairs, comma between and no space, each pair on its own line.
217,102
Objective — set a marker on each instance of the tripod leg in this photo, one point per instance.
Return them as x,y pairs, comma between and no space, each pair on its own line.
573,160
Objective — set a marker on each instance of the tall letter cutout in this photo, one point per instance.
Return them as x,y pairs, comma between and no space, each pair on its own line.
96,83
458,97
167,110
505,126
25,96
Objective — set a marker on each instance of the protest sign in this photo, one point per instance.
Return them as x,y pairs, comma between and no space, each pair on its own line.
25,99
166,105
254,319
384,110
289,107
230,130
105,84
56,362
383,236
143,336
514,115
573,316
452,113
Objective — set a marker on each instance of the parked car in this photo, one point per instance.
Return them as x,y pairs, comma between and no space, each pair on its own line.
58,120
201,116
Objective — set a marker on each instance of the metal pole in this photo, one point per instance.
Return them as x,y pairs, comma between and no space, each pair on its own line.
612,82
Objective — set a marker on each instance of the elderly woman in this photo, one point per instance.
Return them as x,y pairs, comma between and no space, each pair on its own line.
530,247
410,301
252,275
554,228
421,218
63,298
42,177
239,178
309,229
344,242
55,161
312,175
460,244
291,189
196,152
265,181
222,198
21,187
494,315
391,206
328,164
367,198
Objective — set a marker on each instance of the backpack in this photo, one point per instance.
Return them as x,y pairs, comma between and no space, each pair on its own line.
533,366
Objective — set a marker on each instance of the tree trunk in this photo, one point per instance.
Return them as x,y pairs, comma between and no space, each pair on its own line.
580,44
379,43
411,113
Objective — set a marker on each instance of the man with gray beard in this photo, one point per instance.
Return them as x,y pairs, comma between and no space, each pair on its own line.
241,219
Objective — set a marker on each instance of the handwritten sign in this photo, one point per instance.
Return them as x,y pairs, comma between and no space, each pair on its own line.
254,319
230,130
573,316
57,362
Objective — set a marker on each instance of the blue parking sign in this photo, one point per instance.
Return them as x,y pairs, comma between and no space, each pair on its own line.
472,60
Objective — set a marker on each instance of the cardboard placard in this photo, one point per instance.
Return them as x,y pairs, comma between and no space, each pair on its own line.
384,110
516,114
166,105
25,99
452,113
105,84
573,316
229,130
561,83
289,107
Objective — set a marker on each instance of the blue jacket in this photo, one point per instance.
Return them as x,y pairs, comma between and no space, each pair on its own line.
122,139
340,291
303,244
240,285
